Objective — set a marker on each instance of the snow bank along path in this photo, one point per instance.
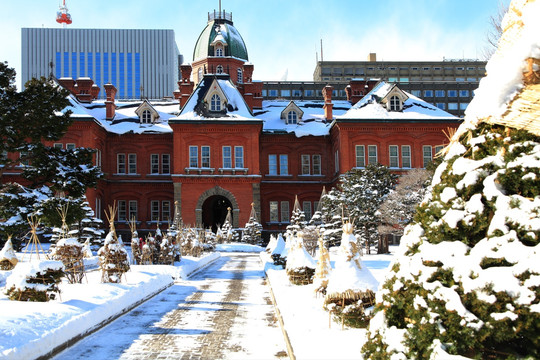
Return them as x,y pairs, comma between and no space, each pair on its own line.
30,330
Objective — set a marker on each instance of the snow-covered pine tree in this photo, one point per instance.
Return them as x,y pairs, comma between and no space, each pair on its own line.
227,228
465,282
8,258
300,265
252,229
298,218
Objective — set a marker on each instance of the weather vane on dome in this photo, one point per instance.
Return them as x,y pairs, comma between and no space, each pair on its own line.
63,17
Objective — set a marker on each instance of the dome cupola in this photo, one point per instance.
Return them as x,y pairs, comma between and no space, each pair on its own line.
220,39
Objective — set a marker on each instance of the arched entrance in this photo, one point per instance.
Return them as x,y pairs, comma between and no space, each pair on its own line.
214,211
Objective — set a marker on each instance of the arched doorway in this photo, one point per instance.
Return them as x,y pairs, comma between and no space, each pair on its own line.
214,211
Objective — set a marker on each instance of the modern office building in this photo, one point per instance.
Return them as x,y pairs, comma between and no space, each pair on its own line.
447,84
139,63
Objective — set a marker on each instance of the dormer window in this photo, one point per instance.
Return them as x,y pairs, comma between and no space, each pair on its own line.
146,117
218,50
215,103
395,103
292,118
219,69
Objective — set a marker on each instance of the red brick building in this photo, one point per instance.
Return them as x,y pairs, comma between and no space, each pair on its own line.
219,145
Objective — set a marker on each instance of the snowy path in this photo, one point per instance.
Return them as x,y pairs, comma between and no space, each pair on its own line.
223,312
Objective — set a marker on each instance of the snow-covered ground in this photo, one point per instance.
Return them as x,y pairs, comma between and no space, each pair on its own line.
29,330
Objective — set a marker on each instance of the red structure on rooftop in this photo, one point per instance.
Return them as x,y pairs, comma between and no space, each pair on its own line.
62,16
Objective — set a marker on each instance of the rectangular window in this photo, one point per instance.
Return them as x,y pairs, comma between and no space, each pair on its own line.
394,156
98,69
23,156
272,93
306,206
452,106
372,154
428,93
70,146
58,65
154,163
439,93
227,157
441,106
438,150
336,161
283,164
58,146
417,93
90,64
166,211
132,209
272,164
305,165
463,106
274,211
316,164
205,156
193,157
121,163
239,157
137,75
106,77
463,93
132,163
285,93
81,65
130,75
66,64
122,210
98,157
427,154
122,81
154,210
452,93
308,93
296,93
406,156
165,163
74,65
114,80
285,211
315,206
360,156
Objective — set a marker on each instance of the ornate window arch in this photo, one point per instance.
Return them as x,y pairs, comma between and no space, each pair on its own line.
215,103
218,50
219,69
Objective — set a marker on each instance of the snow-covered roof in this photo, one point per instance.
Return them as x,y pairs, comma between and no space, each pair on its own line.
371,107
313,122
236,107
125,120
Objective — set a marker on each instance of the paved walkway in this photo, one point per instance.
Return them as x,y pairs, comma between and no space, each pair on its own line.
223,312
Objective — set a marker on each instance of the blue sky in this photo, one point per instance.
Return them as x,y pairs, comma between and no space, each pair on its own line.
282,36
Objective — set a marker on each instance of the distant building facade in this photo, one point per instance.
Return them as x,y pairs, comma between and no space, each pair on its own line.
139,63
447,84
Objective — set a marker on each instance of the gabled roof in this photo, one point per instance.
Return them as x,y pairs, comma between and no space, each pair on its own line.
292,106
145,105
372,107
195,108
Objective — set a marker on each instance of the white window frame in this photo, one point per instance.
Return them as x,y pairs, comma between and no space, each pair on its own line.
146,117
165,163
205,156
240,75
395,103
219,50
274,211
122,210
360,151
193,156
154,163
272,165
372,154
283,164
121,166
305,164
292,118
306,207
133,209
215,103
427,154
285,213
154,210
165,211
226,154
406,156
317,164
70,146
393,159
239,157
132,163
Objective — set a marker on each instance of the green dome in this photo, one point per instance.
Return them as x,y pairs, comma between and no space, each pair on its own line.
235,44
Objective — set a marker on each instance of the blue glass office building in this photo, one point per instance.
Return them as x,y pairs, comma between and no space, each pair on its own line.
139,63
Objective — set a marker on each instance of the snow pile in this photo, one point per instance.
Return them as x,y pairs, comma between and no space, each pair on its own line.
466,281
35,280
8,259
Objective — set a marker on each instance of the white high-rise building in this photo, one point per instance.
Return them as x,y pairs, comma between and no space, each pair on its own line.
139,63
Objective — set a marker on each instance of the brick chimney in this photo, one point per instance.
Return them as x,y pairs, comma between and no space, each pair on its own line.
185,85
328,106
357,89
84,89
110,108
94,91
248,72
68,84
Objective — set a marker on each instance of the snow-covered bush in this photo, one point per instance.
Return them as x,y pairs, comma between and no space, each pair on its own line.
8,258
300,265
351,286
35,281
70,252
278,253
113,259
